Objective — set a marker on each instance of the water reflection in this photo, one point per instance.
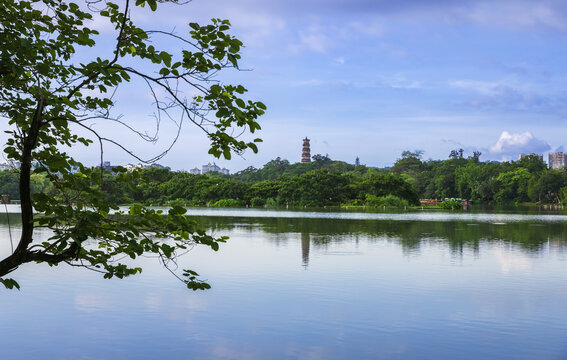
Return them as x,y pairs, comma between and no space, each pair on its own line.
530,237
374,289
305,242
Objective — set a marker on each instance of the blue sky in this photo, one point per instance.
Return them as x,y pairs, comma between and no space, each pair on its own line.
373,78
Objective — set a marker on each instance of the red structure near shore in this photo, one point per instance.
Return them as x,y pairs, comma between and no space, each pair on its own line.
430,202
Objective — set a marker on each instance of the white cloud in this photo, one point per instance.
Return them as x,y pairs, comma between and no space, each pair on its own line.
400,82
315,42
517,14
315,39
372,28
253,24
483,87
257,29
510,145
393,82
340,60
512,262
322,38
513,96
310,82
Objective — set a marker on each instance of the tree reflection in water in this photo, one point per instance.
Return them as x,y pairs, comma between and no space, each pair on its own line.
305,242
531,237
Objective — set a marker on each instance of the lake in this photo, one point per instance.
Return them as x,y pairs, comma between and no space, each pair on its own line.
312,285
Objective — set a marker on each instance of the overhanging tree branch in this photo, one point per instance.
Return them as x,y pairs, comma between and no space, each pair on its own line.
45,92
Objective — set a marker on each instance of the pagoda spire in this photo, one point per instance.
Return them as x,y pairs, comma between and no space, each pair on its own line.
306,153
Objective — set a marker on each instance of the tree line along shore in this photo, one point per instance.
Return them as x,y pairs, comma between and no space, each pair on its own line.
326,182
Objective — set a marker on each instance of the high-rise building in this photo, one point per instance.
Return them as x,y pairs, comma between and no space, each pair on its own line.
557,160
306,153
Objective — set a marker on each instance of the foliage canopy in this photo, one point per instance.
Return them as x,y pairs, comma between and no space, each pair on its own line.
48,91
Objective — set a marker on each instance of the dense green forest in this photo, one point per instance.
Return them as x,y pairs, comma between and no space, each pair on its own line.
326,182
525,180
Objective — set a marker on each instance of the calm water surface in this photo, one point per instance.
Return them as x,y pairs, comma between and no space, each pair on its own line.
307,285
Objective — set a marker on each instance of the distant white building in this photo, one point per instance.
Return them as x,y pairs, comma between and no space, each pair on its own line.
195,171
208,168
132,167
225,171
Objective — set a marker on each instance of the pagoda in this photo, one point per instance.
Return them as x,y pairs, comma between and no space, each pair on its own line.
306,153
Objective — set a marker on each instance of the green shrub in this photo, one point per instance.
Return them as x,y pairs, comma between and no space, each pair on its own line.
184,202
563,195
178,201
389,201
227,203
451,205
257,201
271,202
353,202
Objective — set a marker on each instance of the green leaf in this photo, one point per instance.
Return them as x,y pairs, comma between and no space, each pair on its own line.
240,102
10,283
253,147
166,58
